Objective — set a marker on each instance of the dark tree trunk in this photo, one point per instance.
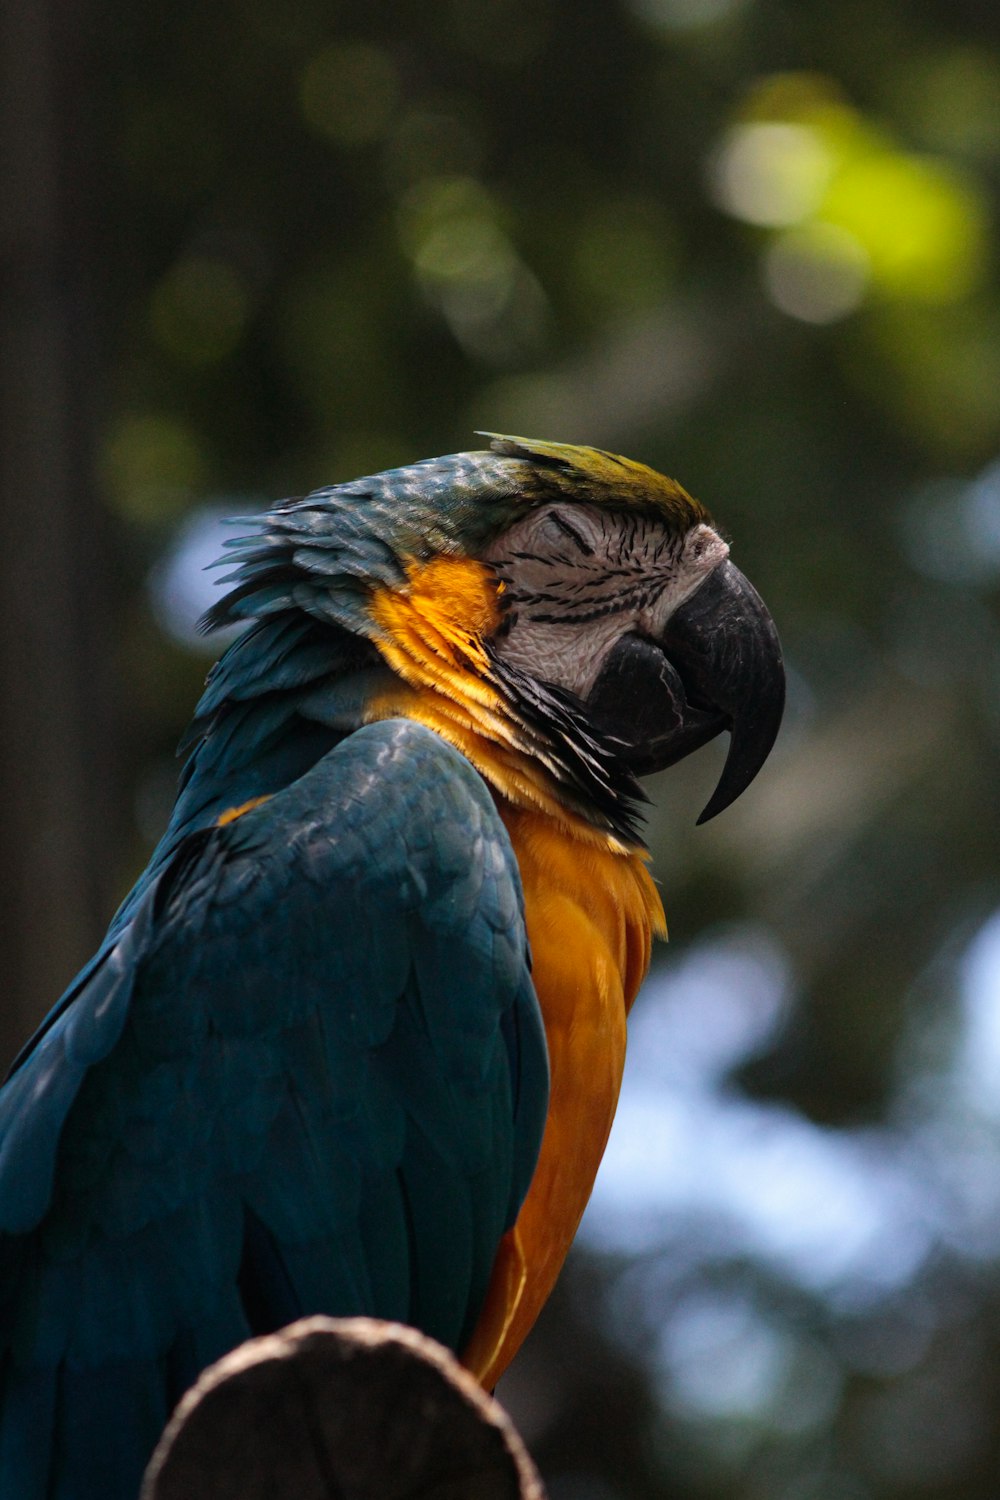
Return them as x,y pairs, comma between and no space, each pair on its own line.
57,818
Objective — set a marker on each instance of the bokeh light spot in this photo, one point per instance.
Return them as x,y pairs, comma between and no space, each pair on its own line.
772,173
951,528
184,583
199,311
721,1357
151,464
951,98
466,265
923,228
439,203
911,228
816,272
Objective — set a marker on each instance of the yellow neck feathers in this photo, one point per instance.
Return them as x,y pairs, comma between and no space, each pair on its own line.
431,634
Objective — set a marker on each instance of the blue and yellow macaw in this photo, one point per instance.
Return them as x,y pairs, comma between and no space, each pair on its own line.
354,1041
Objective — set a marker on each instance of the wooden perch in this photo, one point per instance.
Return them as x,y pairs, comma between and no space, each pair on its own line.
340,1409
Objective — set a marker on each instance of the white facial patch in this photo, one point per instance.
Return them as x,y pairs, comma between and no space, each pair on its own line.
579,577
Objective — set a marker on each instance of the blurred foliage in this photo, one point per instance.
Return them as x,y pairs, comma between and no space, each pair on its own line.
751,244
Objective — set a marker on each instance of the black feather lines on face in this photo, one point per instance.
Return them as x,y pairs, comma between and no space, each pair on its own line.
567,579
585,764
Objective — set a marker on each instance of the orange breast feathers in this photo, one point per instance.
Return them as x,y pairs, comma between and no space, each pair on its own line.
591,916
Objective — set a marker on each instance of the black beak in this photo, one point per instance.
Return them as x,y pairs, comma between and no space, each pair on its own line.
718,666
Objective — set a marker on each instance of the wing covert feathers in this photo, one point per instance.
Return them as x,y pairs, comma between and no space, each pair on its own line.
311,1076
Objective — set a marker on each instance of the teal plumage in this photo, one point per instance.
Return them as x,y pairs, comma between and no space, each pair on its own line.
310,1074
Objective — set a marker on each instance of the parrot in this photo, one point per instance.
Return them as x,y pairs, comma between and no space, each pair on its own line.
353,1042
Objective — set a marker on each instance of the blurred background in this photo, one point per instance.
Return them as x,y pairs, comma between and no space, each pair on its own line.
248,249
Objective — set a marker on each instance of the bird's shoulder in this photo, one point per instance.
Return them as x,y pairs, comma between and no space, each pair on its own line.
383,872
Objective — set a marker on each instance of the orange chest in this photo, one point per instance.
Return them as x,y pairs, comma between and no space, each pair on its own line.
591,914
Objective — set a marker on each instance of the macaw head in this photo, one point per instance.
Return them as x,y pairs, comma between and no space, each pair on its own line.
568,618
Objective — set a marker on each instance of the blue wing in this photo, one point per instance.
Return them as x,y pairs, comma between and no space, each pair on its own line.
310,1075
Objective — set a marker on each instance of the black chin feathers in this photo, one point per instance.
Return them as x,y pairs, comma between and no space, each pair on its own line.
586,764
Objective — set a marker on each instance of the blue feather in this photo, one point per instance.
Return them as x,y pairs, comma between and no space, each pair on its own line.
307,1074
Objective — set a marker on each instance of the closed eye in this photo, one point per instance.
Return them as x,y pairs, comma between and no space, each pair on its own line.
554,522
